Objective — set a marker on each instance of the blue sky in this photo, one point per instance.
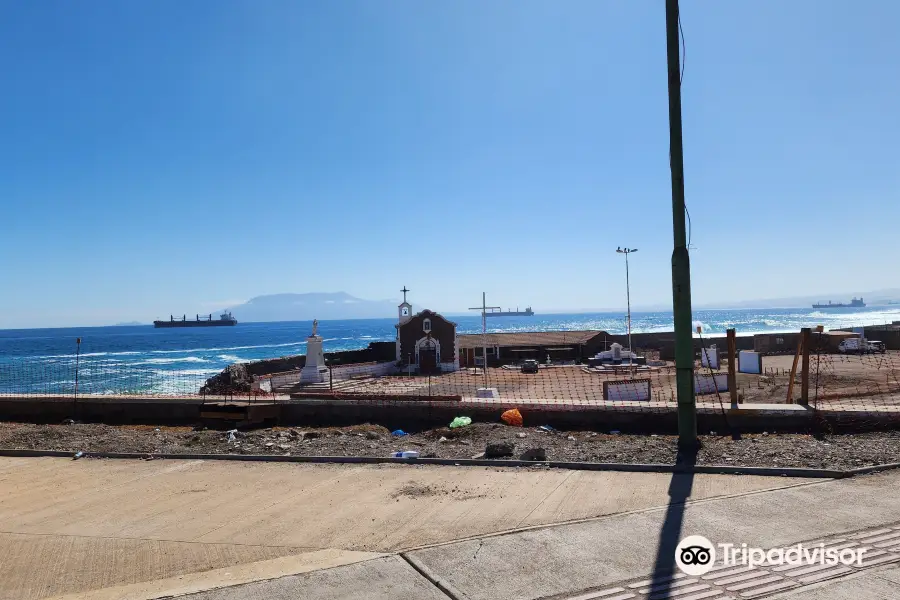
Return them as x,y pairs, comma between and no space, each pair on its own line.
182,156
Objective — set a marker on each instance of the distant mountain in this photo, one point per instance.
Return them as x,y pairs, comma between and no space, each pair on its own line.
315,305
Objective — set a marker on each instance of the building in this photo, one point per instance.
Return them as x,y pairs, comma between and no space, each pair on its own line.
426,341
511,348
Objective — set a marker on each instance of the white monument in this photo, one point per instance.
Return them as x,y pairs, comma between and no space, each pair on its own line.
315,370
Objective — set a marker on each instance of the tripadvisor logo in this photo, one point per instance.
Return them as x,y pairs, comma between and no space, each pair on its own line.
695,555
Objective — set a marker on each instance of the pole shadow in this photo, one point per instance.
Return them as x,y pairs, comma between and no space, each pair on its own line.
670,533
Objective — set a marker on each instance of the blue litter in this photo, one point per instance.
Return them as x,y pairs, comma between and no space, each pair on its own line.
399,433
546,428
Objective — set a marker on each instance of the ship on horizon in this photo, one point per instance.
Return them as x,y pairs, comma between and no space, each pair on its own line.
224,319
854,303
499,312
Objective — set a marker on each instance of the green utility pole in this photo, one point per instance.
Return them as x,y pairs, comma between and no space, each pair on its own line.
681,264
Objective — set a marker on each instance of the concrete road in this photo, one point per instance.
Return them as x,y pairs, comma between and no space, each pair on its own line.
74,526
128,529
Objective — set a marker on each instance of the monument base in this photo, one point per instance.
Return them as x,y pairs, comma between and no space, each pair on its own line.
313,375
315,370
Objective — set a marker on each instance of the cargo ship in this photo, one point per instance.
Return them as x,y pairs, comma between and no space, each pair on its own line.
206,321
854,303
497,312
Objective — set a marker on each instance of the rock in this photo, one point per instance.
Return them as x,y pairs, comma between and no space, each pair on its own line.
269,444
498,450
442,440
571,438
284,446
371,435
593,434
233,379
521,435
478,456
294,433
534,454
199,427
311,435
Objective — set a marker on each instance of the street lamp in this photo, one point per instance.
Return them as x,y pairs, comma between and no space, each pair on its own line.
626,252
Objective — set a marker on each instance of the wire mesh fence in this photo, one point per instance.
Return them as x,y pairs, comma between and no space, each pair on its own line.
96,376
855,382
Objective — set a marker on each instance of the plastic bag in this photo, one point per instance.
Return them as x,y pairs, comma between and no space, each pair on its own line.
398,433
460,422
512,417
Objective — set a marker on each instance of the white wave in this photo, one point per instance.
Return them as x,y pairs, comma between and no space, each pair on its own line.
194,372
232,358
169,361
299,343
704,328
85,354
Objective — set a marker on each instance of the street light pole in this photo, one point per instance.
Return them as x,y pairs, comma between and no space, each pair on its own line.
626,252
483,308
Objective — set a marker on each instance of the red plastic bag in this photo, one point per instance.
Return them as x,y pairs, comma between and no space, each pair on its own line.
512,417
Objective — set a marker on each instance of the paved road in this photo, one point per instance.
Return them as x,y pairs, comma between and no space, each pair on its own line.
117,529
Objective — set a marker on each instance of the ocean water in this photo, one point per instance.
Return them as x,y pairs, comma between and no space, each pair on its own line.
141,359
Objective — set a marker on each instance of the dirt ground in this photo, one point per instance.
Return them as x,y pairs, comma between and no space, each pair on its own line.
782,450
831,376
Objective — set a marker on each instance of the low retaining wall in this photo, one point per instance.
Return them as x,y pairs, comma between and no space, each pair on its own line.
338,373
421,413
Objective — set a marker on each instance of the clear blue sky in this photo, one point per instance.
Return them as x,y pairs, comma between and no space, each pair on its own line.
181,156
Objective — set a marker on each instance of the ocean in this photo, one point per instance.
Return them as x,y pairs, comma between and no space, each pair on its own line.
141,359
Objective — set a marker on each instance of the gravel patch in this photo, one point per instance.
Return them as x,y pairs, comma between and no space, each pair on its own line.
837,451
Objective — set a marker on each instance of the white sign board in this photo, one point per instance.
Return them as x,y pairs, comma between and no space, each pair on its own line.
633,389
710,384
749,362
709,358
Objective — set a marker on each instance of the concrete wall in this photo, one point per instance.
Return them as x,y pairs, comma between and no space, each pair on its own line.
890,336
343,372
786,343
375,352
338,373
411,414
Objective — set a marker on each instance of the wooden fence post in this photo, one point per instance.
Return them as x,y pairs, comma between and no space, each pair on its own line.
804,384
732,366
793,375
